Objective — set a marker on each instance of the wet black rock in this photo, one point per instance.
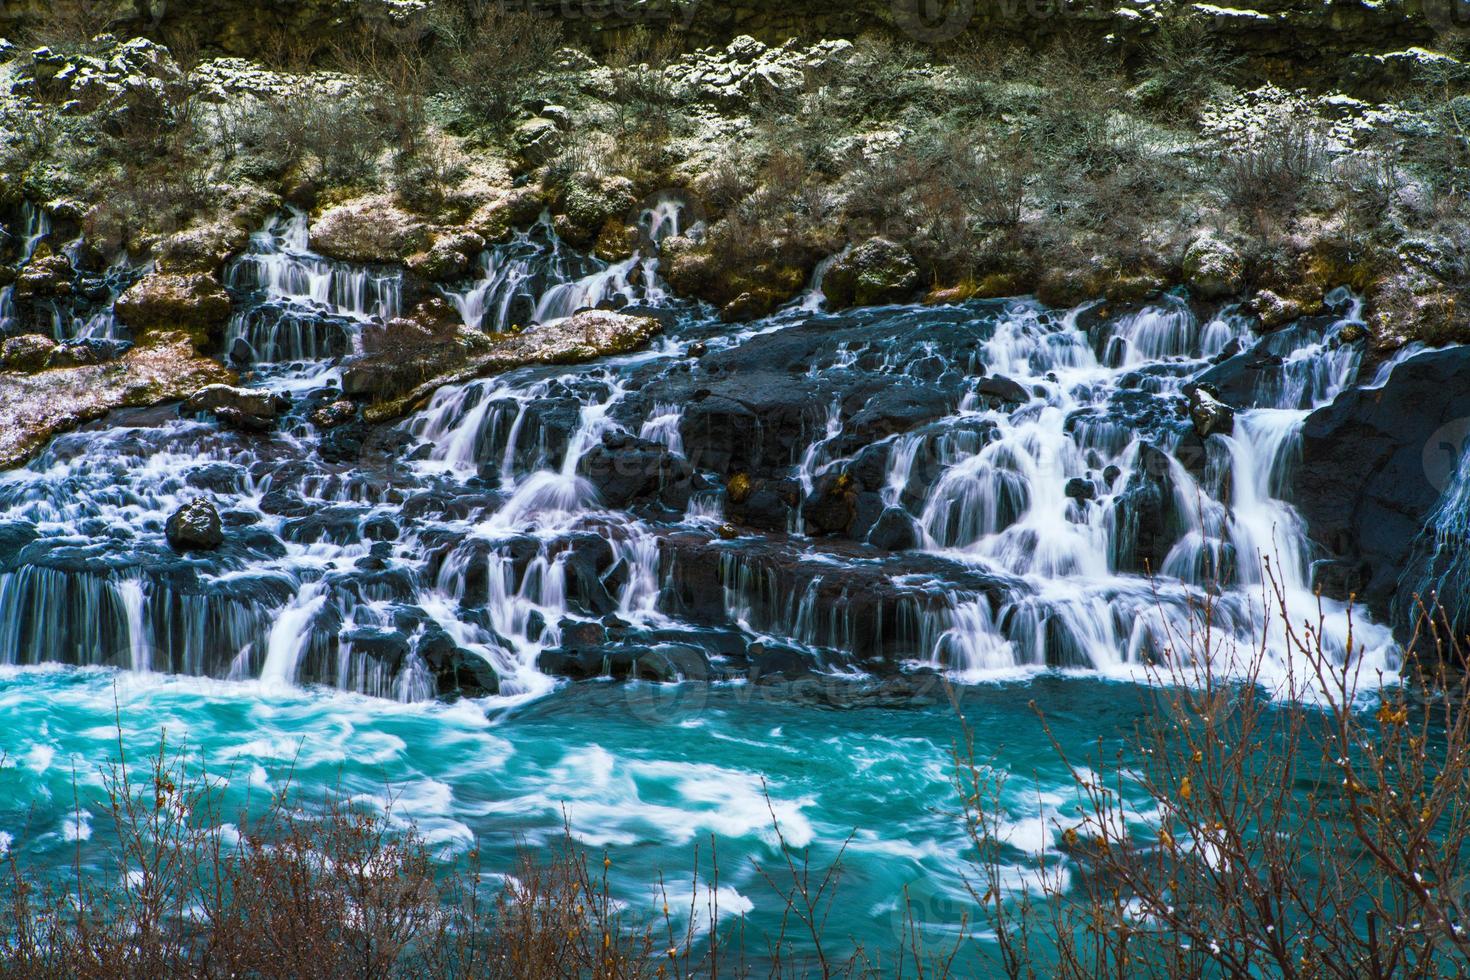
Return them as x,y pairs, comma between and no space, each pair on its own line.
895,530
1080,489
380,527
832,506
1373,467
457,672
247,409
627,471
195,526
1002,389
1148,524
14,536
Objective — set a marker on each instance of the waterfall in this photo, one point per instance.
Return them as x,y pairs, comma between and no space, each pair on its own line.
291,635
306,307
140,651
1061,511
1437,575
35,227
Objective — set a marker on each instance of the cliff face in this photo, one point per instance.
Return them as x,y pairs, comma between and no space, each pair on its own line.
1354,44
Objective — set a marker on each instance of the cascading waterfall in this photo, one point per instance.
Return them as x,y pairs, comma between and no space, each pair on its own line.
308,307
1043,493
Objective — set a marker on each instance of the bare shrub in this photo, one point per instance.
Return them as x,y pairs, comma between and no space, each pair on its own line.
1186,66
488,56
68,25
1294,830
1276,175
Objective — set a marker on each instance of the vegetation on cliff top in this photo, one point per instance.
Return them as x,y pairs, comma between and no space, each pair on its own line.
992,169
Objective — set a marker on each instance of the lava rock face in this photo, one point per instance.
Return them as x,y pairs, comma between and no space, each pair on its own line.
1373,467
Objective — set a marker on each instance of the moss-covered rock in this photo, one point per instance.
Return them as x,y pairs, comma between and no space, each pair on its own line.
370,229
410,366
26,354
875,272
1213,268
451,256
194,303
37,407
586,203
518,207
44,275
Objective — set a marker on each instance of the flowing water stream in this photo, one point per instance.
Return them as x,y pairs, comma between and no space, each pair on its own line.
1060,525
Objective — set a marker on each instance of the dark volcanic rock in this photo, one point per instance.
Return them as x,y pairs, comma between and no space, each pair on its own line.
1374,465
196,525
1147,520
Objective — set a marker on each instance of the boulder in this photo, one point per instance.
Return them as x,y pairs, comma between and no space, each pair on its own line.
1374,466
1210,415
628,471
28,353
587,202
192,302
44,275
450,257
1212,267
1080,489
1002,389
397,378
537,140
195,526
876,272
518,207
88,350
894,531
1144,513
1275,311
250,409
334,414
370,229
202,249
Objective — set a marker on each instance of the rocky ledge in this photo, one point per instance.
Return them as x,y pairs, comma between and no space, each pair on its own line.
38,406
404,362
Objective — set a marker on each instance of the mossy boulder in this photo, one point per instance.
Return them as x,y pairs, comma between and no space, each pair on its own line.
1213,268
402,370
26,354
587,202
1274,310
518,207
44,275
876,272
194,303
450,257
370,229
